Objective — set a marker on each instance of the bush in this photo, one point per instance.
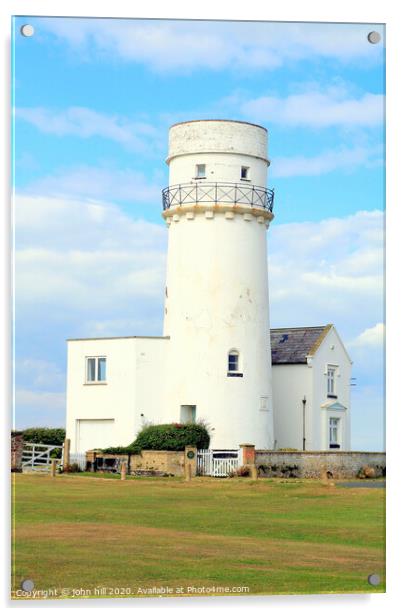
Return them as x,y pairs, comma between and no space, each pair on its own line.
121,450
72,468
242,471
170,437
47,436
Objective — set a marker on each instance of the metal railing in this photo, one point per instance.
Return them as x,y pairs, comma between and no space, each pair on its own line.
218,192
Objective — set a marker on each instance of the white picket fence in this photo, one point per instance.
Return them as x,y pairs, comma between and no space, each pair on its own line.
80,459
36,457
217,462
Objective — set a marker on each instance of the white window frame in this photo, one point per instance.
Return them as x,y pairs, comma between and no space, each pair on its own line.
198,175
97,380
331,428
331,380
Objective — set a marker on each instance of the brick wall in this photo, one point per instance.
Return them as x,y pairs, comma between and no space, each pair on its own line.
315,464
17,445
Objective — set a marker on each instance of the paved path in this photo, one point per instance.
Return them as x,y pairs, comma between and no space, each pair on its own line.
361,484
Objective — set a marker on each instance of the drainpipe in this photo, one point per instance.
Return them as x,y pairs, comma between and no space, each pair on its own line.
304,423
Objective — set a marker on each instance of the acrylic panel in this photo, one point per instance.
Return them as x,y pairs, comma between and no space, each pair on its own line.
198,308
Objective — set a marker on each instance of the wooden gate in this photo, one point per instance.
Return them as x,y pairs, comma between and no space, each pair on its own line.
37,457
217,462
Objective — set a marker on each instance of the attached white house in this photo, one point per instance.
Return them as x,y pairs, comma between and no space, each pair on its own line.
117,385
311,372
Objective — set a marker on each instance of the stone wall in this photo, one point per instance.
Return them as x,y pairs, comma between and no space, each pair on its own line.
149,462
318,464
17,446
166,462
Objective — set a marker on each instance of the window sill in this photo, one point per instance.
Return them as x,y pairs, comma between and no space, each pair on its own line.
201,177
245,180
95,383
333,396
334,446
235,374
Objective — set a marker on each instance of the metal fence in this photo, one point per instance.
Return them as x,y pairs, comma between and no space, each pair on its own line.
218,192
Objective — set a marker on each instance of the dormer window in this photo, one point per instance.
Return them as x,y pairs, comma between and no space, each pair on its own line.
200,171
245,173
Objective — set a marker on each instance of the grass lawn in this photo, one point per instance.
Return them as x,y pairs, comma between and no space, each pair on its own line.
105,537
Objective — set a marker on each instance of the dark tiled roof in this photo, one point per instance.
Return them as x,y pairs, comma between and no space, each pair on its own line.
290,345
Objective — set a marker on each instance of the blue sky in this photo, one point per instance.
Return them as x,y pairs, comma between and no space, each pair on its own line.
94,99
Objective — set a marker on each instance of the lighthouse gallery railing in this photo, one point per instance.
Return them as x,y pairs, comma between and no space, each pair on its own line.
218,192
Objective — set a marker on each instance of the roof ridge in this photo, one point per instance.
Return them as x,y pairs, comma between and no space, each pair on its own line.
320,339
306,327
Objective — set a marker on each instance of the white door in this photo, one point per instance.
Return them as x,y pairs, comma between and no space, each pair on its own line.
94,434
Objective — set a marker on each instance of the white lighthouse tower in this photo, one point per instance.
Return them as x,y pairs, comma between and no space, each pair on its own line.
218,209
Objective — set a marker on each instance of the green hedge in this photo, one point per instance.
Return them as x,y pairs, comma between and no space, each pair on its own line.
47,436
169,437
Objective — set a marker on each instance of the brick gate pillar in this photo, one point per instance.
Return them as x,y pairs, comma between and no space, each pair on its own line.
247,454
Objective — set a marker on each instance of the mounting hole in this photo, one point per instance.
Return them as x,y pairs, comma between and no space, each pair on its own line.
373,579
374,37
27,585
27,30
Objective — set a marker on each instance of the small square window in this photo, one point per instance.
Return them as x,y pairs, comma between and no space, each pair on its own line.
244,173
200,171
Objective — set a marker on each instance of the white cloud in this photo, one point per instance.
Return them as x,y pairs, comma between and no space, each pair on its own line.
188,45
327,161
77,253
318,108
86,123
98,183
328,271
371,337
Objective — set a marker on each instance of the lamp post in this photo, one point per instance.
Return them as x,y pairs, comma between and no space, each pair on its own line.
304,423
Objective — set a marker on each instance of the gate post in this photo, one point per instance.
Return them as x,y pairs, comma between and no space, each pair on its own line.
190,459
247,454
123,471
53,468
66,454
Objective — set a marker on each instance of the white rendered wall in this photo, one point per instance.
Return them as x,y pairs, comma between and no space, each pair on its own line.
290,383
226,136
217,291
134,385
331,351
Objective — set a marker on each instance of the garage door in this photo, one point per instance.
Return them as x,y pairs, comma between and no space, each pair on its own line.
94,434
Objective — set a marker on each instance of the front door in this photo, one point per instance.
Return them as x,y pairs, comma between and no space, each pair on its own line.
334,433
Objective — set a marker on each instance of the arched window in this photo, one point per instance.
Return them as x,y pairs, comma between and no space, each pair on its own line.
233,362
